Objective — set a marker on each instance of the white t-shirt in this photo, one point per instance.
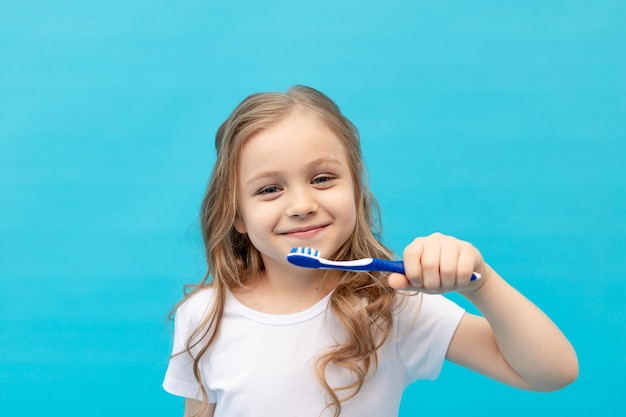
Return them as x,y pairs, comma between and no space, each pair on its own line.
264,364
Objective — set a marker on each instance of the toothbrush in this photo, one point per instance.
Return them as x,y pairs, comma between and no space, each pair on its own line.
310,258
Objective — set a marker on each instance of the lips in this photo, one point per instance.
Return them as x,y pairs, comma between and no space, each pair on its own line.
304,232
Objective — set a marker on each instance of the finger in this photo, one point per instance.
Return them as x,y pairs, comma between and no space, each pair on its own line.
398,281
448,265
412,256
401,283
431,257
469,259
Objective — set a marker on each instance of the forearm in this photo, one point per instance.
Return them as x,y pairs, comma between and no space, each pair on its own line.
527,339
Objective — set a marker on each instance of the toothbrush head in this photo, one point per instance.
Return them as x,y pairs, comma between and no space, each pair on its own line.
305,257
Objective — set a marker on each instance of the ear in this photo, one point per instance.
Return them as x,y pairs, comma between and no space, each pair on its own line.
240,226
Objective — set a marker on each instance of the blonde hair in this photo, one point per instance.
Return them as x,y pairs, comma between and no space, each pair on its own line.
362,302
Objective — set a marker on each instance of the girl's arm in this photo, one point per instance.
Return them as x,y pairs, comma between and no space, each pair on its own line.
193,408
514,342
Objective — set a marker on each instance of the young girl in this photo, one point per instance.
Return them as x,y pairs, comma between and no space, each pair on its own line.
261,337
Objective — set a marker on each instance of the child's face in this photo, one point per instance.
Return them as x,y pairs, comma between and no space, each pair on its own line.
295,189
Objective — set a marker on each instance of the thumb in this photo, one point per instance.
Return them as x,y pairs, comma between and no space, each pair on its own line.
399,281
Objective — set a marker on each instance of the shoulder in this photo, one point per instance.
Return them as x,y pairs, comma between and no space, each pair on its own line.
194,308
407,301
423,327
425,310
197,299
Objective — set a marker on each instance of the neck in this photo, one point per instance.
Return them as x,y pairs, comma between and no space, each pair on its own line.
281,289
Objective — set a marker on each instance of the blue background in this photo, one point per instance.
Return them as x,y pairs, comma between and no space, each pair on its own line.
503,123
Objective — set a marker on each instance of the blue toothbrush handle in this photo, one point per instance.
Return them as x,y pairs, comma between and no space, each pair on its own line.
398,266
387,266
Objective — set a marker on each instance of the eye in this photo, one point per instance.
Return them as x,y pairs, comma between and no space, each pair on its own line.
270,189
323,179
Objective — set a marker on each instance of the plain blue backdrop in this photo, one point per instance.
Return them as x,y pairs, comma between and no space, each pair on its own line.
503,123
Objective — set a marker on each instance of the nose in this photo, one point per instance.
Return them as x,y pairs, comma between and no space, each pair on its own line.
301,203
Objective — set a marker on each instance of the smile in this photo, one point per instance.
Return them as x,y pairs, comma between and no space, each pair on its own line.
304,232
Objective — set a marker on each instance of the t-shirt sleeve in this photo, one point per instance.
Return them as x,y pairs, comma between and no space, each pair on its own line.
425,325
179,377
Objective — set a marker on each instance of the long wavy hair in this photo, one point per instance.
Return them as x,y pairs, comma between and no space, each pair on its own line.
362,302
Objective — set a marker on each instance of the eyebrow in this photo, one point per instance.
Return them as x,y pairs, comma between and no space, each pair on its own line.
320,162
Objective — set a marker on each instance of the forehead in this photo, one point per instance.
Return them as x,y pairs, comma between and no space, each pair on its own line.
294,141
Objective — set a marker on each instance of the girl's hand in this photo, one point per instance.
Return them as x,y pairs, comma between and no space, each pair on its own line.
438,264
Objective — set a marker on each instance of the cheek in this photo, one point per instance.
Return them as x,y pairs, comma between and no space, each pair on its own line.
346,209
353,214
356,210
253,218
